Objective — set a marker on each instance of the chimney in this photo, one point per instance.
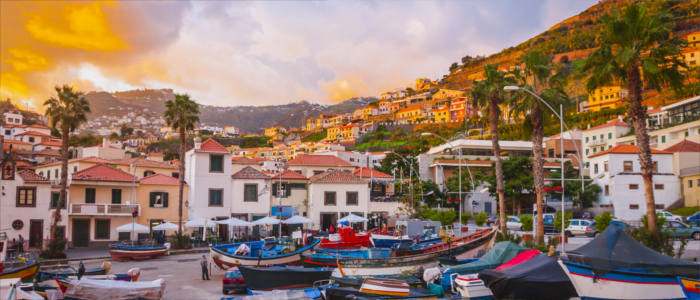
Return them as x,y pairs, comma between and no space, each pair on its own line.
197,143
105,142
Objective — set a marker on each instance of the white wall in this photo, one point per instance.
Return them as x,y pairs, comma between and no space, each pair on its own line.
261,207
316,200
201,180
9,211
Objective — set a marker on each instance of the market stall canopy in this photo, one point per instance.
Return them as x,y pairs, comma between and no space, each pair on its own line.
199,222
234,222
135,226
297,220
166,226
267,221
352,218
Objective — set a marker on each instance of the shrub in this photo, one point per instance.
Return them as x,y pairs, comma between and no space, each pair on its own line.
480,219
527,222
511,237
557,220
603,221
686,211
55,248
466,217
180,241
660,240
446,217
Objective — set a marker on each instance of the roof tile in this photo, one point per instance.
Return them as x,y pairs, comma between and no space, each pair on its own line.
160,179
318,160
626,149
212,145
30,176
684,146
370,173
249,173
289,174
336,176
102,172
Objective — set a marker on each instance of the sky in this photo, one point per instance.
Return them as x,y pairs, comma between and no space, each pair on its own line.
231,53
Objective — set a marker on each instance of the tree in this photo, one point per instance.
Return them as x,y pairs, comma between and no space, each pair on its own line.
181,114
125,131
545,79
517,179
453,67
490,91
66,112
636,49
581,198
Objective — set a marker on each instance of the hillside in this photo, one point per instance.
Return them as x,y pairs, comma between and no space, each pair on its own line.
249,119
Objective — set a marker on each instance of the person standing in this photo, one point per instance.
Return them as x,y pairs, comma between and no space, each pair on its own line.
20,247
205,269
81,270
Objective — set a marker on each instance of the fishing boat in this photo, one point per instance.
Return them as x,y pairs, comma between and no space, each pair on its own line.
472,287
345,239
329,257
379,288
260,253
126,252
391,241
499,254
282,277
410,263
691,288
114,289
615,266
356,281
23,272
65,271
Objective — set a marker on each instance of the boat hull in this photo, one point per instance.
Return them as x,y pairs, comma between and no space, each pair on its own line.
123,254
621,284
388,241
691,288
262,278
22,272
225,260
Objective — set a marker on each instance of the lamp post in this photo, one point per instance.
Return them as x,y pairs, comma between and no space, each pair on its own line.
559,115
459,166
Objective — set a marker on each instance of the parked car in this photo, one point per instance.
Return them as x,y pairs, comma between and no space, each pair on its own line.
233,281
577,227
591,231
586,215
513,223
492,220
548,220
695,216
693,223
679,229
669,216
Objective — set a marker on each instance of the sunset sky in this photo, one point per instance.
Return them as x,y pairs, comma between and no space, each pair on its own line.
254,53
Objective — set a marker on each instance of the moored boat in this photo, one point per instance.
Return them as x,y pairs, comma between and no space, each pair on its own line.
114,289
260,254
127,252
329,257
346,239
282,277
473,287
390,241
23,272
691,288
499,254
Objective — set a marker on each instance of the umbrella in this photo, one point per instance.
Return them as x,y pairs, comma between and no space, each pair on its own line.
136,228
166,226
297,220
353,218
234,222
199,222
267,221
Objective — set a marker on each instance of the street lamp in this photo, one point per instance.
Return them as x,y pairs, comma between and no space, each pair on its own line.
459,171
559,115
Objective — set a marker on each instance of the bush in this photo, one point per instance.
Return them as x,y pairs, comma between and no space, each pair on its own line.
603,221
180,241
557,220
480,219
466,217
686,211
511,237
660,240
527,222
55,248
446,217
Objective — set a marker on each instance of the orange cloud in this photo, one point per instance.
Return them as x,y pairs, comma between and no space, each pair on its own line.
12,86
26,60
344,87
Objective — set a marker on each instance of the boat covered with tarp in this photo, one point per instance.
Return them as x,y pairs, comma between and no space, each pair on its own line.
615,266
282,277
499,254
88,289
540,277
137,252
329,257
472,287
259,253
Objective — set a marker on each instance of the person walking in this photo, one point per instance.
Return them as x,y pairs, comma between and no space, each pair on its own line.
205,269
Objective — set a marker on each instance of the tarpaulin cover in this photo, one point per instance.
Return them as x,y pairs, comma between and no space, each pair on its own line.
614,248
114,289
541,277
520,258
501,252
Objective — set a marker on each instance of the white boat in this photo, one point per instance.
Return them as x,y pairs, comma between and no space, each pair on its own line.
114,289
471,287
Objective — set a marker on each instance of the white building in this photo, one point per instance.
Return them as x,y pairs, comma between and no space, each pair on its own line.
335,194
666,137
310,165
602,137
12,118
208,173
251,194
231,130
104,151
618,173
356,158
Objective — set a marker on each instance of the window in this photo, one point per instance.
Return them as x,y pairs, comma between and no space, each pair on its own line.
595,150
690,183
175,175
158,199
48,174
607,190
26,196
116,196
216,163
588,164
148,173
101,229
54,200
595,168
634,186
216,197
634,206
602,136
318,172
627,166
659,206
329,198
250,192
587,151
31,139
663,138
89,195
610,135
658,186
351,198
605,164
594,137
602,148
75,169
586,139
55,173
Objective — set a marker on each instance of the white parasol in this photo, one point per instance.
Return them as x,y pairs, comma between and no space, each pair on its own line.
352,218
297,220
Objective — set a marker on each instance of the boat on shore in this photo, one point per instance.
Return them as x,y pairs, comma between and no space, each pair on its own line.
691,288
427,258
500,253
346,239
23,272
282,277
260,253
391,241
114,289
329,257
126,252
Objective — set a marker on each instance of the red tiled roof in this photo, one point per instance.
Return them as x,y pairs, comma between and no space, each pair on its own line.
336,176
370,173
246,160
18,142
51,143
102,172
140,162
318,160
24,165
38,126
211,145
289,174
30,176
160,179
14,126
92,159
249,173
615,122
653,111
627,149
684,146
155,154
31,132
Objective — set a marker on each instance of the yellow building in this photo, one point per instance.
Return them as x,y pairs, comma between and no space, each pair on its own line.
693,39
445,94
349,132
157,195
411,114
606,97
310,124
690,187
337,120
441,115
274,131
368,111
333,133
692,57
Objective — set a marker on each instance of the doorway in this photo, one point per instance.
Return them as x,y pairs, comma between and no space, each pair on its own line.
36,233
487,207
81,233
328,219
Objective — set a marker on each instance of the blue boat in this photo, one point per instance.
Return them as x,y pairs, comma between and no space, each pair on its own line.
260,253
390,241
329,257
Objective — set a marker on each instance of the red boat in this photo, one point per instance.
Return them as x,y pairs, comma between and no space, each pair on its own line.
346,239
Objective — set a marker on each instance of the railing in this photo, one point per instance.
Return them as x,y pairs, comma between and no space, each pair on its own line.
384,199
90,209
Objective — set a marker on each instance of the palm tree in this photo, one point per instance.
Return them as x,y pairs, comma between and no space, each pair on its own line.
545,79
66,112
489,92
637,49
181,114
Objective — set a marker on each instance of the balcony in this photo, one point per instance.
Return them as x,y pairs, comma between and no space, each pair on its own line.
91,209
